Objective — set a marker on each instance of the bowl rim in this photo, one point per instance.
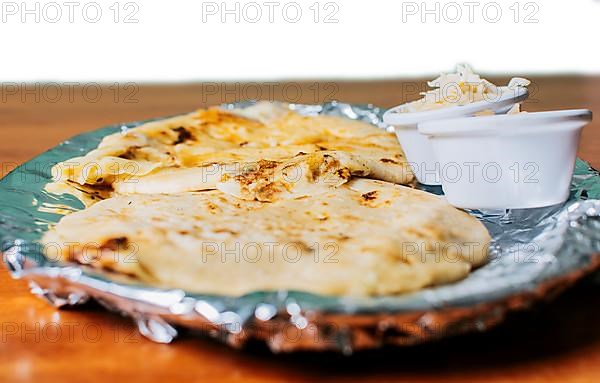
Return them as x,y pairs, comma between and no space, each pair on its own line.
508,124
508,97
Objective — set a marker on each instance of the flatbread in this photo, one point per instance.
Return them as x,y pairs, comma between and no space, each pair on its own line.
359,238
193,152
302,176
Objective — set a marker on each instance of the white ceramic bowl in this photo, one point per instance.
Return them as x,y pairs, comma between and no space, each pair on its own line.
507,161
418,149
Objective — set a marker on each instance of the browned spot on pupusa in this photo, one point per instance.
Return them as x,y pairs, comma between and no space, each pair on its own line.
370,196
226,231
115,244
343,173
371,199
342,237
268,192
183,135
322,216
130,153
388,161
213,208
301,246
254,173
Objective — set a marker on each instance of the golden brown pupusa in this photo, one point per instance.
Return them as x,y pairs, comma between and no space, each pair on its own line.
364,237
192,152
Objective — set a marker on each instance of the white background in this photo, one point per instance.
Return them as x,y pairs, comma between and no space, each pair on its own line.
181,40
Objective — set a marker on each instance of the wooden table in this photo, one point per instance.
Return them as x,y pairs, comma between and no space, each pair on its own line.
558,341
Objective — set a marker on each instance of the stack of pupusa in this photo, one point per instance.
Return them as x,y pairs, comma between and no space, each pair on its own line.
194,151
263,198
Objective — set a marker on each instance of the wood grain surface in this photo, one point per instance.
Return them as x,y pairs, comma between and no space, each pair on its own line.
555,341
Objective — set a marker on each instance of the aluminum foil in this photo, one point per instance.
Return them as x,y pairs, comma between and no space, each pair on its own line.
535,254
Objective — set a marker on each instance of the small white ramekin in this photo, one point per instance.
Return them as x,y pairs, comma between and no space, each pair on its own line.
507,161
416,146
